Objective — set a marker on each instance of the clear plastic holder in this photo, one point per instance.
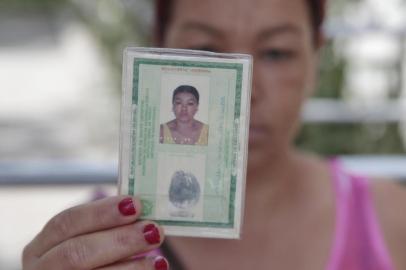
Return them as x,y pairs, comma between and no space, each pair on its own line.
184,138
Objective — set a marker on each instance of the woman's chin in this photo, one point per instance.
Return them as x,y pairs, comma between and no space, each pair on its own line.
184,120
256,157
261,155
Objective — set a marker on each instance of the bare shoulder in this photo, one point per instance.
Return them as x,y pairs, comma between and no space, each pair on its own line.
390,202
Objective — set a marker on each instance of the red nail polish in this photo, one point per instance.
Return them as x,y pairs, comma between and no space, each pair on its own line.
149,228
161,263
126,207
151,234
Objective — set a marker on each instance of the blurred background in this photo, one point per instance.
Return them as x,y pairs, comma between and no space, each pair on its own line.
60,83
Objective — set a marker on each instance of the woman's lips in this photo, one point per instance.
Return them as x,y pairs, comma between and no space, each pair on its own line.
257,133
183,116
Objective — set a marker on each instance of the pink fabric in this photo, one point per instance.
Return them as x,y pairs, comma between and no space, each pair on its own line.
358,242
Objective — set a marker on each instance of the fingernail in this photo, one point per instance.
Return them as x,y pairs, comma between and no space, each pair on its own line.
151,234
160,263
126,207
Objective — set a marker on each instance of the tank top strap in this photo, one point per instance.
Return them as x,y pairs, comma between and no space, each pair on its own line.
358,241
203,137
342,190
167,135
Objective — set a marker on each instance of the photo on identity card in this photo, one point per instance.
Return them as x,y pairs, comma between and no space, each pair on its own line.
184,137
184,109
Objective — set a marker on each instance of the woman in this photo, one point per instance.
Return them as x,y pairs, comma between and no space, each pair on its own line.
184,129
301,212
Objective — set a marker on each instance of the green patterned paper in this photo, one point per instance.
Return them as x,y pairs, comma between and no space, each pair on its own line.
184,153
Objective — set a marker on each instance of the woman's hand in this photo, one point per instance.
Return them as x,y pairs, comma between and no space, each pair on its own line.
101,235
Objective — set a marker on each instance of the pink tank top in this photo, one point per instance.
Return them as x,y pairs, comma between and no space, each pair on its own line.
358,241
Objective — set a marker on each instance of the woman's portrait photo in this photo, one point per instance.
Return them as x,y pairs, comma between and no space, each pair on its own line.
184,128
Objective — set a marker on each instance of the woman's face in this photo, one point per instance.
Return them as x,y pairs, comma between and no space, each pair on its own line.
185,107
278,34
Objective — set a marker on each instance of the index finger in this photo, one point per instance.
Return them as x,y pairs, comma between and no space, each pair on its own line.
91,217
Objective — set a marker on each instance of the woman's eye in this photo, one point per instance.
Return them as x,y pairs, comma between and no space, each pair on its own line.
277,54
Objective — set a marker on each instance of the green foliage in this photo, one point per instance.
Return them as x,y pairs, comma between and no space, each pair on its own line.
331,73
32,4
337,139
123,29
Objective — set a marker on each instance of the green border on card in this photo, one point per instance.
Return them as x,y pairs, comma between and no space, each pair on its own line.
233,184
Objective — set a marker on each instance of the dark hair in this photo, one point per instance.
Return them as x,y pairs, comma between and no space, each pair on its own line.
186,89
163,10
